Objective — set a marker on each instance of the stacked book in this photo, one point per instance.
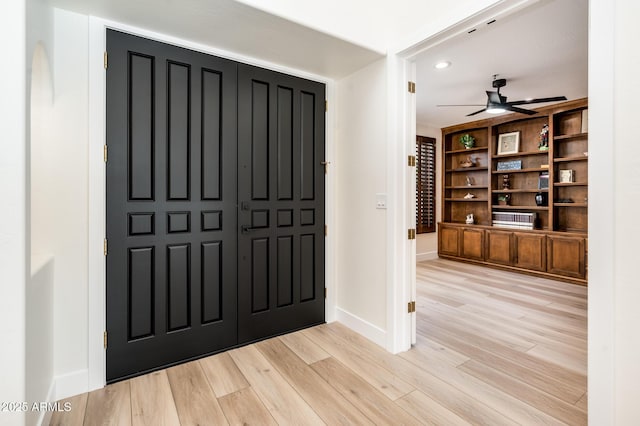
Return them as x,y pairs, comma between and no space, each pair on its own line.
516,220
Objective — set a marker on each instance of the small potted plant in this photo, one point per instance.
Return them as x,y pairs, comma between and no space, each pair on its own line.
467,141
503,200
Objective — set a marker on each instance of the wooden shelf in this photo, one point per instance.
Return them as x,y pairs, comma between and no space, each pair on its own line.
466,200
570,184
474,149
466,169
498,207
467,187
572,136
570,204
521,154
567,159
508,172
519,191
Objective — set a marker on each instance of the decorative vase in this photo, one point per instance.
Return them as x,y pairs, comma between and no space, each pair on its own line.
541,199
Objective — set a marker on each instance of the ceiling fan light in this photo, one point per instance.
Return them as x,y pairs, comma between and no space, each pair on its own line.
442,65
495,110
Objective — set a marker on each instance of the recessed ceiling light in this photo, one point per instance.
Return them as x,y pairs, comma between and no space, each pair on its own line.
443,64
528,99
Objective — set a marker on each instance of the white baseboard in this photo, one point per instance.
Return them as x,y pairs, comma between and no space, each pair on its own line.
429,255
360,326
71,384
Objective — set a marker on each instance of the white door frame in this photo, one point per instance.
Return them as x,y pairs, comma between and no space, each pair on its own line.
401,113
97,180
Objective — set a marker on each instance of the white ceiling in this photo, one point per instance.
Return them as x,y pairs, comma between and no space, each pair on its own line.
237,28
540,50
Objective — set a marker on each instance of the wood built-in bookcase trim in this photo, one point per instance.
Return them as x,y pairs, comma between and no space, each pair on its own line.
566,209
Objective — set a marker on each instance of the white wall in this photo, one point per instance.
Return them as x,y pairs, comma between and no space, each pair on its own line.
69,211
360,169
13,193
614,318
627,206
40,385
427,244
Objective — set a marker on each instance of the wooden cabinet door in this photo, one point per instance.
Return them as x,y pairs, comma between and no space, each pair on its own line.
566,256
449,240
499,247
530,251
472,244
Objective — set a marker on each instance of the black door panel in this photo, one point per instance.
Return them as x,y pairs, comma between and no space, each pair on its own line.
281,191
171,204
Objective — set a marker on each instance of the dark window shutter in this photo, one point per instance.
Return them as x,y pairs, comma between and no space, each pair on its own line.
425,184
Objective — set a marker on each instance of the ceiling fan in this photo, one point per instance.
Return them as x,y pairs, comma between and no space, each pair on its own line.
497,103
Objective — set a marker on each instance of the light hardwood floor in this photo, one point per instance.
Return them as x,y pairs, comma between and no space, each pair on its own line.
493,348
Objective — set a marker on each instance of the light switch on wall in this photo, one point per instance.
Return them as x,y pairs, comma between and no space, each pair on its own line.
381,201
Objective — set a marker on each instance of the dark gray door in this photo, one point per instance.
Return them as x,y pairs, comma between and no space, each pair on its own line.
215,204
281,195
171,204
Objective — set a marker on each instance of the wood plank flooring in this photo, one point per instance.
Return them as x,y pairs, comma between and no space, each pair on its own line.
493,348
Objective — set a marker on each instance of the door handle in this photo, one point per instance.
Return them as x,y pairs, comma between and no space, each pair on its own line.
245,229
244,206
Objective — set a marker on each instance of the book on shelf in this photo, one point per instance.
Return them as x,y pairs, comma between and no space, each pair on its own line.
512,225
566,176
514,220
515,217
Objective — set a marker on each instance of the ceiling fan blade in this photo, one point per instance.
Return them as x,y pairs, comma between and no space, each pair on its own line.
520,110
539,100
477,112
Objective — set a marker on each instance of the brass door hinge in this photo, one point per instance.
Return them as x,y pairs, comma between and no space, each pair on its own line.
105,247
411,307
326,230
106,60
412,87
411,234
326,106
104,153
325,292
412,161
104,339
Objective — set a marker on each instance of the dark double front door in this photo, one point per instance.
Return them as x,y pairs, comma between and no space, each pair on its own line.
215,204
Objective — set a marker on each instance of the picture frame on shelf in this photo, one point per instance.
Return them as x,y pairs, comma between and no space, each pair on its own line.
509,143
543,180
566,176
